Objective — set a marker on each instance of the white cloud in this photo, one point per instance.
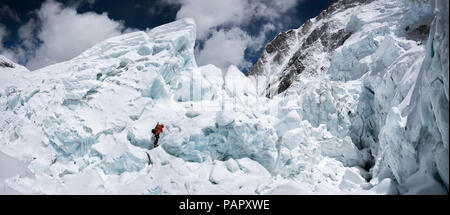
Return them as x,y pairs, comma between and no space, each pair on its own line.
26,33
65,33
221,47
209,14
225,48
258,41
4,51
59,33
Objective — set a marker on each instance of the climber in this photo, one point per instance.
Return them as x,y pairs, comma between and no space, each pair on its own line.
156,131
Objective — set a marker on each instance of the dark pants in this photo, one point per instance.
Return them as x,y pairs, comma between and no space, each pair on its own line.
155,144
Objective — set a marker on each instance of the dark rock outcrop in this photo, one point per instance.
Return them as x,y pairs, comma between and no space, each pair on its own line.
292,53
6,64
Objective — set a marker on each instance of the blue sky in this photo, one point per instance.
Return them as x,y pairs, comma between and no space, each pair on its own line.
39,33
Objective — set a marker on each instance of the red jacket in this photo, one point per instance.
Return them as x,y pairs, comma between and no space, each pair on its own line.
159,129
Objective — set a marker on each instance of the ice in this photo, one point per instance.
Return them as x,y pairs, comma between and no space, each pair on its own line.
231,165
421,184
237,84
291,139
373,121
385,187
324,143
158,89
8,68
290,121
233,135
395,104
398,124
10,167
384,56
347,63
80,121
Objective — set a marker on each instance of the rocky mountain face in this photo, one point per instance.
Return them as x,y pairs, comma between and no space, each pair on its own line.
301,50
6,63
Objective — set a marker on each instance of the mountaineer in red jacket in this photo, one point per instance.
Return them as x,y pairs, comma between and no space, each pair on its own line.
156,131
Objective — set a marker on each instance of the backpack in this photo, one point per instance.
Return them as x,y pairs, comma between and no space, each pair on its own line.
154,131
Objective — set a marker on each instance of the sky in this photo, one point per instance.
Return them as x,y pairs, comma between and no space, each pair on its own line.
39,33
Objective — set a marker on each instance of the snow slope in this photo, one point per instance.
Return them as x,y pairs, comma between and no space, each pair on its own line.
83,126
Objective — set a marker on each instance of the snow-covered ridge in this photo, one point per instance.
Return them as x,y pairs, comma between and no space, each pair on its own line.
89,119
6,64
83,126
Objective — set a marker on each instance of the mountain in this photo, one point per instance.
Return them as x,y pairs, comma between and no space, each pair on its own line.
84,126
398,52
306,50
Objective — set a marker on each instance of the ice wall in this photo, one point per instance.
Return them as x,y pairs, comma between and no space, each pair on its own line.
385,88
402,114
85,113
414,140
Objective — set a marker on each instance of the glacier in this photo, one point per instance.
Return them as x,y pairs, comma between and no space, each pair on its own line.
368,117
383,54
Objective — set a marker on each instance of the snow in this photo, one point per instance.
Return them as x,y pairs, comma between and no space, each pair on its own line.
395,115
84,126
10,167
